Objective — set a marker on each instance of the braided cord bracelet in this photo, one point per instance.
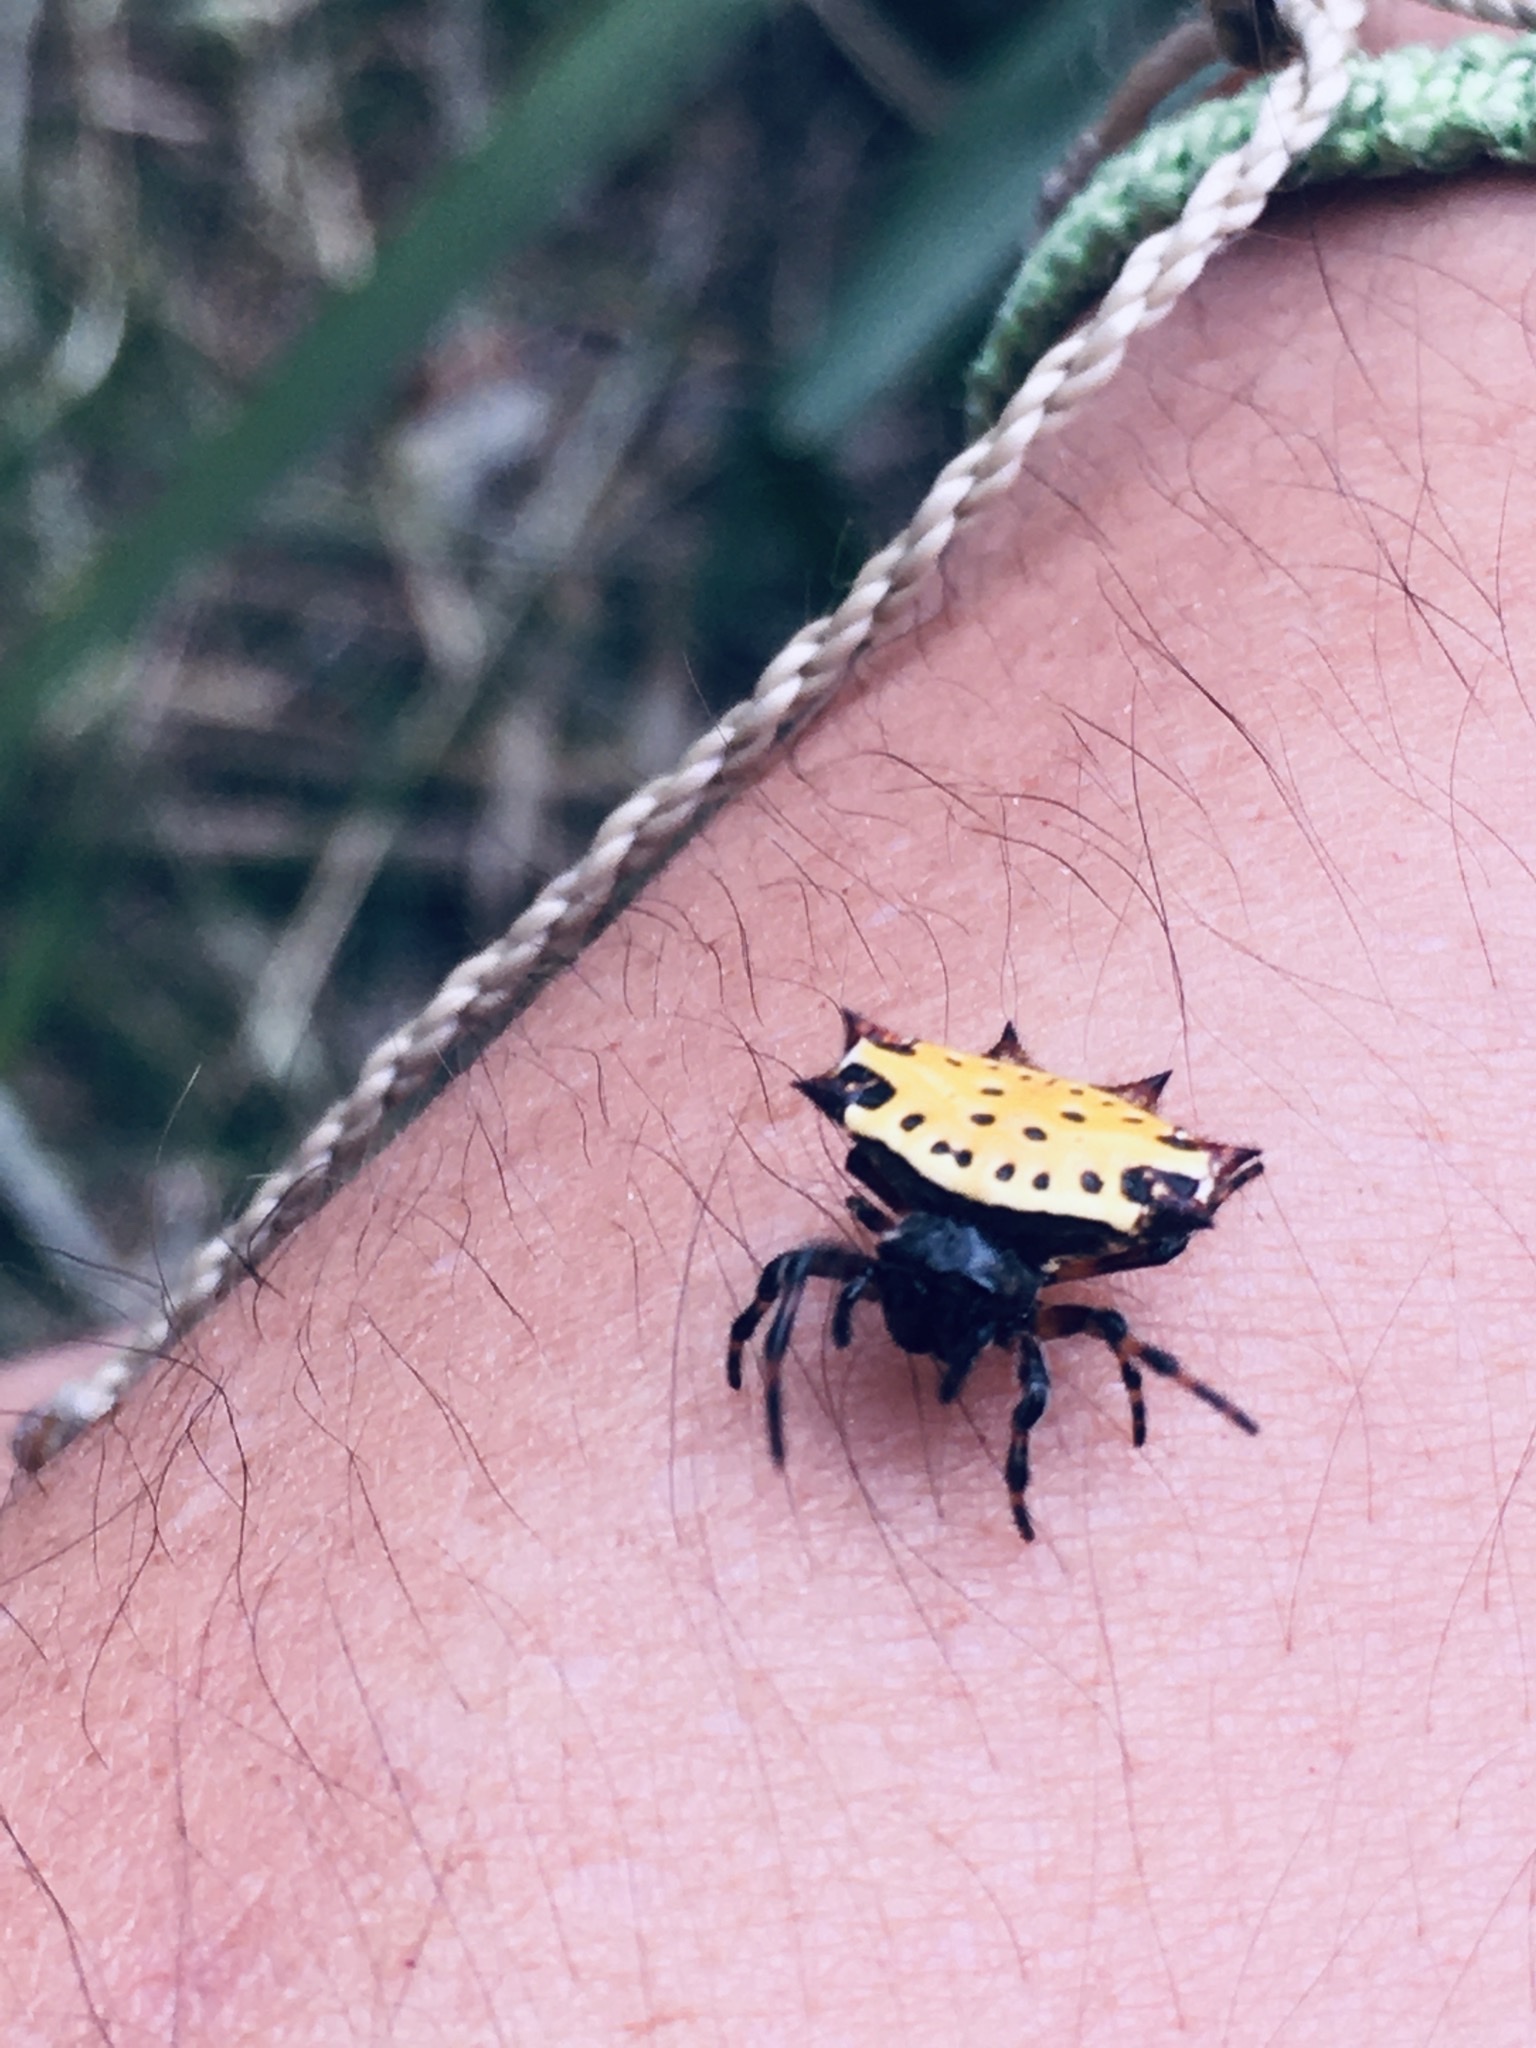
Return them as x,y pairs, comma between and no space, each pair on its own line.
1180,202
1412,110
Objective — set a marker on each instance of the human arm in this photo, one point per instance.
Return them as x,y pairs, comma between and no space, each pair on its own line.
442,1651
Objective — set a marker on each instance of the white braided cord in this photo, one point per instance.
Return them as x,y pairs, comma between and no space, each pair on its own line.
482,991
1519,14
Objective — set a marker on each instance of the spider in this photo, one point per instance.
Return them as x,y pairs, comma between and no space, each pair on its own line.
1001,1180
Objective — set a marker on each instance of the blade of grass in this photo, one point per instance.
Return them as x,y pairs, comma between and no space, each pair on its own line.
604,89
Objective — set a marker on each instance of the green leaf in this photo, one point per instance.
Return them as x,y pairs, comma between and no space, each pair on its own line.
961,220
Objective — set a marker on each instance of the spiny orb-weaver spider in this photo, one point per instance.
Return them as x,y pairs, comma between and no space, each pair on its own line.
1002,1180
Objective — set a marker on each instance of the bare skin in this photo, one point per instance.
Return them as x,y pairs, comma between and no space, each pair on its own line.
442,1658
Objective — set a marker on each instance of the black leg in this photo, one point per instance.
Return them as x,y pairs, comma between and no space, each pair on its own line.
1072,1319
849,1296
958,1364
864,1211
744,1329
1035,1383
783,1280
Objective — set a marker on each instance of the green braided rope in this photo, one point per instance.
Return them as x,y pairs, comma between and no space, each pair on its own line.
1410,110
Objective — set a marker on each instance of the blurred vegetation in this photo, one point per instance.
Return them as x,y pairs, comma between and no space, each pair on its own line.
419,416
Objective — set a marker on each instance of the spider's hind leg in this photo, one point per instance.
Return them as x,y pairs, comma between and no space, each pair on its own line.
783,1280
1073,1319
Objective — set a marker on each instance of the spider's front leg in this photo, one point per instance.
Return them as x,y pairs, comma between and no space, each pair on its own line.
1035,1386
783,1280
864,1286
874,1220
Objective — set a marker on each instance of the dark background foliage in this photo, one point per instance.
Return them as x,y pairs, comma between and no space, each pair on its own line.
419,416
